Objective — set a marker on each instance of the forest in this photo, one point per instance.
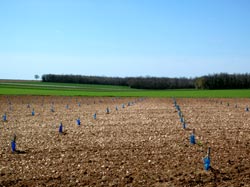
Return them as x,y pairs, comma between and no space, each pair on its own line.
213,81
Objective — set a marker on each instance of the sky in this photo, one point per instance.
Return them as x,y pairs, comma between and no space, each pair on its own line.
162,38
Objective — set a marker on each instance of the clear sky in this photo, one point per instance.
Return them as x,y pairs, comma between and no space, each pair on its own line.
169,38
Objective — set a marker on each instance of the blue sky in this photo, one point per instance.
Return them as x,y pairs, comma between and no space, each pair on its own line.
169,38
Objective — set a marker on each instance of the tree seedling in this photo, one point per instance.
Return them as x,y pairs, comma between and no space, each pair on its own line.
192,137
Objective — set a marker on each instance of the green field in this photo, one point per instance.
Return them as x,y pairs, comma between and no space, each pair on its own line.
66,89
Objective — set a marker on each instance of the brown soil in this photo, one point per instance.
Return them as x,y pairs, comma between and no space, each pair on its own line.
140,145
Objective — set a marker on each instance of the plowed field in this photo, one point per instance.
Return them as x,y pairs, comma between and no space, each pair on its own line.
140,145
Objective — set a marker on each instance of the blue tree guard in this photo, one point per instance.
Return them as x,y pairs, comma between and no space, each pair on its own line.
78,122
184,125
94,116
107,110
175,103
5,117
123,106
179,113
182,120
33,112
192,138
67,106
206,160
52,109
178,107
60,128
13,146
247,109
116,108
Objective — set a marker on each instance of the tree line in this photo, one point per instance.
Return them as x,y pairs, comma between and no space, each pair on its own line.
223,81
215,81
133,82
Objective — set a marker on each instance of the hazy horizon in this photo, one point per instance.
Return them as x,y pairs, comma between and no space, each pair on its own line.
161,38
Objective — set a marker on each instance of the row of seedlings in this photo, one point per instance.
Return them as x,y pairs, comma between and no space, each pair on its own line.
235,106
192,139
61,127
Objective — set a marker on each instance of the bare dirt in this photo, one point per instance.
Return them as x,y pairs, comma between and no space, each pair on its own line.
141,145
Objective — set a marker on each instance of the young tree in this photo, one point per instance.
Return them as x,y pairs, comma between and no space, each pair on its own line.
37,77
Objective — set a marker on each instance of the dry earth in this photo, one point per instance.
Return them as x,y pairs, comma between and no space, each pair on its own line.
140,145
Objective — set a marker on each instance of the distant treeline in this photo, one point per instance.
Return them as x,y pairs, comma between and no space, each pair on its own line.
215,81
223,81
